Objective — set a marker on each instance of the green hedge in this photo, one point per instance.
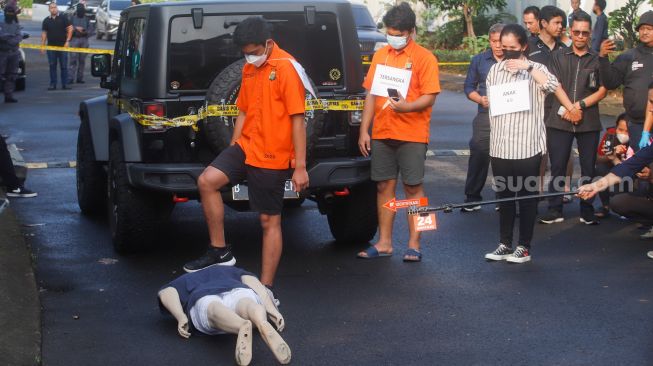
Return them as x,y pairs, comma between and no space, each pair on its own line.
453,56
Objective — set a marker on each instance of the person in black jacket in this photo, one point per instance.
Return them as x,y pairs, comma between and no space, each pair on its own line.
577,69
633,70
10,37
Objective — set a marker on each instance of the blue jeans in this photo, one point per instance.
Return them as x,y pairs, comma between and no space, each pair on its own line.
53,56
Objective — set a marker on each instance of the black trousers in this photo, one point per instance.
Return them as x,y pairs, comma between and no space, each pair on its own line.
559,144
635,207
479,158
7,171
517,177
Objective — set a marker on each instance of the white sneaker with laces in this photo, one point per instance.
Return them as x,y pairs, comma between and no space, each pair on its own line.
520,255
502,252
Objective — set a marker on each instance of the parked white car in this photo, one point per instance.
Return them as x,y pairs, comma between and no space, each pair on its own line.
108,17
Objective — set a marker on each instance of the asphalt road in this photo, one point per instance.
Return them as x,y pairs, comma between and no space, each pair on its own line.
586,299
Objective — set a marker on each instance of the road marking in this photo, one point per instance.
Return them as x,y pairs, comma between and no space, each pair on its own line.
53,165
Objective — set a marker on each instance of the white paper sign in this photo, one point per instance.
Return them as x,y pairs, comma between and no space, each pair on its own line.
509,98
386,77
302,75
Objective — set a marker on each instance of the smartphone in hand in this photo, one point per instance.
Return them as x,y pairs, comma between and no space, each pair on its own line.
393,94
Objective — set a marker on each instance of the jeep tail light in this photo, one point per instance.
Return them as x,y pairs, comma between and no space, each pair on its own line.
155,109
355,118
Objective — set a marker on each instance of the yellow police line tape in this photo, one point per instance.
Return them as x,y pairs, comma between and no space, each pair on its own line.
65,49
230,110
99,50
439,63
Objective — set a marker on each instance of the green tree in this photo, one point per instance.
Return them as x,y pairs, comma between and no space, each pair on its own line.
466,9
623,22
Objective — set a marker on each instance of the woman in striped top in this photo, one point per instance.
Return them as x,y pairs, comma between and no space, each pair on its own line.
517,142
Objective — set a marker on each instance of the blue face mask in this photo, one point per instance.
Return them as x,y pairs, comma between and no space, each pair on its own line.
397,42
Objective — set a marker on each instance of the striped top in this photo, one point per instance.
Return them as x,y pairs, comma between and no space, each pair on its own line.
520,135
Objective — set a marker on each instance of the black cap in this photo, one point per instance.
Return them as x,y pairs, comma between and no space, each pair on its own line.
646,18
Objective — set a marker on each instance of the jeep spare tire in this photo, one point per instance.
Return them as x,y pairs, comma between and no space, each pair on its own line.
224,91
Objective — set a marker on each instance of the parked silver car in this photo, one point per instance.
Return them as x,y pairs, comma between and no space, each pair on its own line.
108,17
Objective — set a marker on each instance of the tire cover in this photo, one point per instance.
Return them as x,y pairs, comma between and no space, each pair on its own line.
224,91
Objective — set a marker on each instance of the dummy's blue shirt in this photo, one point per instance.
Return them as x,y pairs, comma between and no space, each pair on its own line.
209,281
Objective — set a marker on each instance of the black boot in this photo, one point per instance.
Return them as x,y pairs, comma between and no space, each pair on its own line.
10,99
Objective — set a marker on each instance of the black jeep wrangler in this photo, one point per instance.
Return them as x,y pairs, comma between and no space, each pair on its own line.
172,86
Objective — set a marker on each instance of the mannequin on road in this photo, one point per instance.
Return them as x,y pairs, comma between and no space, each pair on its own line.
220,300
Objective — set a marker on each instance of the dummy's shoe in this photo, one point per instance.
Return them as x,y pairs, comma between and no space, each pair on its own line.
520,255
52,87
244,345
551,218
65,87
21,192
501,253
277,345
79,81
647,235
10,100
212,257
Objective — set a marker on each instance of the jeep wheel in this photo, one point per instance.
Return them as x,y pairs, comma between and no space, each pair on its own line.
91,178
224,90
134,216
353,218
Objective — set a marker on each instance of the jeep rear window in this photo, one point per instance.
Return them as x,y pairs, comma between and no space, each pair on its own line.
362,17
196,56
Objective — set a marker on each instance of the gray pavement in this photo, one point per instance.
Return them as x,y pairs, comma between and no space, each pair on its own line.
585,298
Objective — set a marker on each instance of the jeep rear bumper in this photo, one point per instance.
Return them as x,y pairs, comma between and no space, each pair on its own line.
182,178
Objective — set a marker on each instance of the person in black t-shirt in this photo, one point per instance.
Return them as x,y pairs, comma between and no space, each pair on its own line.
57,31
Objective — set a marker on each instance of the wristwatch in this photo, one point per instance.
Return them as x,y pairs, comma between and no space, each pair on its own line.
582,104
530,68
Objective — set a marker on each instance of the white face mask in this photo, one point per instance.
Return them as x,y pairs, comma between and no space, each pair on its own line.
257,60
397,42
623,138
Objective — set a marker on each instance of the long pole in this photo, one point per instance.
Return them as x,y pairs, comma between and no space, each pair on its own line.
449,207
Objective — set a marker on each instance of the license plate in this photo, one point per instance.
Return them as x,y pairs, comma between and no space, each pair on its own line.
239,192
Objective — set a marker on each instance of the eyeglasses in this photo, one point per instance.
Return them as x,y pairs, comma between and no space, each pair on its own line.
577,33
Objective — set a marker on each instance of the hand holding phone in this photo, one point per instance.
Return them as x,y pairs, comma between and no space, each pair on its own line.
393,94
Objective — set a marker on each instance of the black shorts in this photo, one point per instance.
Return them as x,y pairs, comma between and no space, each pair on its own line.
265,186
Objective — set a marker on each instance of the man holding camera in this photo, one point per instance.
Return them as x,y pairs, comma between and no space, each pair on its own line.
577,68
633,70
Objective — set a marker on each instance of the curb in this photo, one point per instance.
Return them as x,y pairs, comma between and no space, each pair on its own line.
20,342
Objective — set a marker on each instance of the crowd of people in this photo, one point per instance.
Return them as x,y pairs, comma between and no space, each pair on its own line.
579,74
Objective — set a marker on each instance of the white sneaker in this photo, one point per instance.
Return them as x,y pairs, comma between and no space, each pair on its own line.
520,255
502,252
647,235
470,208
650,254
